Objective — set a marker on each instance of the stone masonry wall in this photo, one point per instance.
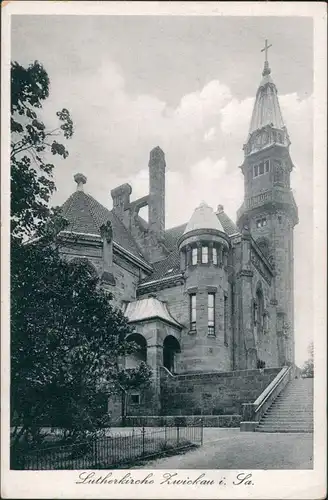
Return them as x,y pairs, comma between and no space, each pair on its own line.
212,393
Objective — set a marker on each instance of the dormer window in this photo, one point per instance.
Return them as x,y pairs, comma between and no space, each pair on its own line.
194,255
204,255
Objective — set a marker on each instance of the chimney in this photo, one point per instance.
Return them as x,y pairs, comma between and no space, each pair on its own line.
156,205
121,199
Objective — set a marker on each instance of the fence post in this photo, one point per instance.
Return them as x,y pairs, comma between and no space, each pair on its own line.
201,432
143,439
178,432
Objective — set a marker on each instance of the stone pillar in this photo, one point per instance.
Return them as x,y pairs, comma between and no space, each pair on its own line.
121,200
199,252
210,252
183,259
188,255
106,232
155,360
246,276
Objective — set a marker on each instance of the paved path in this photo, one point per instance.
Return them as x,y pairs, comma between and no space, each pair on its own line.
232,449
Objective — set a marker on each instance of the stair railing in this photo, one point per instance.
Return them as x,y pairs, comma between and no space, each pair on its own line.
253,412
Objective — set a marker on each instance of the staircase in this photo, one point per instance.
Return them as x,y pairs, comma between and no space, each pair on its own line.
292,411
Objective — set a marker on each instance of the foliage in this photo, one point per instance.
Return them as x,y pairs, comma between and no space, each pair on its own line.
307,370
66,337
31,144
129,379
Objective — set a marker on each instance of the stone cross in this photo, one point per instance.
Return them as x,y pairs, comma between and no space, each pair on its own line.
265,49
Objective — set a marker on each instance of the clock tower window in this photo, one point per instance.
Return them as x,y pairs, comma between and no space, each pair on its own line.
262,168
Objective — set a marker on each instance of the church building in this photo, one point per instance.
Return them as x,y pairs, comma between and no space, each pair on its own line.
211,298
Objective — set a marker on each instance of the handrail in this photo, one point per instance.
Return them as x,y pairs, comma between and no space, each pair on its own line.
271,387
253,412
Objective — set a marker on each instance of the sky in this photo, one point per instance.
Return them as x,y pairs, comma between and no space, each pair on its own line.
186,84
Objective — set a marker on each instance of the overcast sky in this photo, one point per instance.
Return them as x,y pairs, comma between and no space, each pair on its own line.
188,85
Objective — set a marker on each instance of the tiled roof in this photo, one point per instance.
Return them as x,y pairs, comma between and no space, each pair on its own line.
172,235
86,215
165,268
228,225
170,266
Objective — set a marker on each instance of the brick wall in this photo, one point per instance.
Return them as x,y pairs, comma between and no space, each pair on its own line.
212,393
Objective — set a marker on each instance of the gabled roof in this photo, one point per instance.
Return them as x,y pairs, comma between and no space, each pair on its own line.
143,309
203,218
86,215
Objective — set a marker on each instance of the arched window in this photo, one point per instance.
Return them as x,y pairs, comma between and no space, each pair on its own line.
171,348
86,262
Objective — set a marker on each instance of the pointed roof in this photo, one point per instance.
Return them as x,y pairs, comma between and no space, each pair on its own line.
203,218
85,215
149,308
266,109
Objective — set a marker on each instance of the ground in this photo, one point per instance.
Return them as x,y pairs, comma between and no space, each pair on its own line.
232,449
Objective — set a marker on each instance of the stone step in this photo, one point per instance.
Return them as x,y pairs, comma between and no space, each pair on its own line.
306,416
292,409
282,423
284,430
286,424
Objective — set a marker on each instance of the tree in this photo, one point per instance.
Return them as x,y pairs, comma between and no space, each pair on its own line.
66,339
66,336
127,380
31,145
308,367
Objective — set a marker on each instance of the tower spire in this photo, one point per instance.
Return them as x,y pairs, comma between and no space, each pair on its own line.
266,70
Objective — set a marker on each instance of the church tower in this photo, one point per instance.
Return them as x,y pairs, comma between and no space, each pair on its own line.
269,209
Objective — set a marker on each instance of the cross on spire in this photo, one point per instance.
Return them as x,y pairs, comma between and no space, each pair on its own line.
266,70
265,49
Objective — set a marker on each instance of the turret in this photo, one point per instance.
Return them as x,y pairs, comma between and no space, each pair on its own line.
204,253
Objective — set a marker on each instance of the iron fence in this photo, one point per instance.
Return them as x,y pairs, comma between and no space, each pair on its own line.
112,450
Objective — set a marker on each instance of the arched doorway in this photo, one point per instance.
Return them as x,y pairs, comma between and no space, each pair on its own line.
171,348
134,359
